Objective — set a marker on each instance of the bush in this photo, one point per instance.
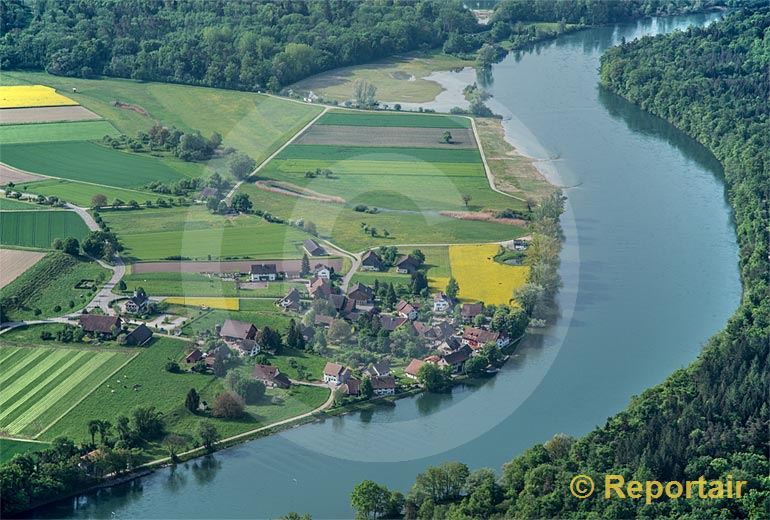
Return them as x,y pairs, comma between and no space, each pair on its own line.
228,406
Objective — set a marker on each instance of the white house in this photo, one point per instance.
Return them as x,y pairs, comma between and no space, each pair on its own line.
322,271
139,303
336,374
383,385
264,273
441,303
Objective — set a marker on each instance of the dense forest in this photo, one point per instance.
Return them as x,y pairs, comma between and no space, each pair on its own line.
269,44
710,418
243,45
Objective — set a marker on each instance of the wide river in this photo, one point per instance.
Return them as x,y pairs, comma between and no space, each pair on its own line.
650,273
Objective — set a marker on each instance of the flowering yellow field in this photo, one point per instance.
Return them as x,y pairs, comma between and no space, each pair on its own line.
481,278
228,304
22,96
437,283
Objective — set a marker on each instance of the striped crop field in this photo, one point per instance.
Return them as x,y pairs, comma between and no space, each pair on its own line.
38,385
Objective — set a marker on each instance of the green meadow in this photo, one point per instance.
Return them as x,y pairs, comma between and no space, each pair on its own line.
81,193
262,313
89,162
343,225
193,232
11,447
354,118
51,132
252,123
38,229
167,391
7,204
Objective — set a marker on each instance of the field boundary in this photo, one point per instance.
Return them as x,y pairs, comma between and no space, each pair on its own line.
41,432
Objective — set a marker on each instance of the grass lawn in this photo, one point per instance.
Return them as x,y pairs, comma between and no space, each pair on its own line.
481,278
364,118
193,232
49,132
90,162
11,447
50,283
343,225
81,193
40,384
299,365
7,204
398,79
254,124
167,391
39,228
262,313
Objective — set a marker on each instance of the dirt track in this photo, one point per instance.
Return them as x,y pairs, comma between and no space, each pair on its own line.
46,114
232,266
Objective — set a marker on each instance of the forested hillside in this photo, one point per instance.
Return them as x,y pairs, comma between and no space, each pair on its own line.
711,418
219,43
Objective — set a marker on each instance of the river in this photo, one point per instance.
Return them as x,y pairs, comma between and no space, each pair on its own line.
650,273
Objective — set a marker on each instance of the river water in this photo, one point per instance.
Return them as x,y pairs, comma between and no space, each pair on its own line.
650,273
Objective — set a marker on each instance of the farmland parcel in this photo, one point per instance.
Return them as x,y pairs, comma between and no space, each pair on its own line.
481,278
32,96
51,132
39,228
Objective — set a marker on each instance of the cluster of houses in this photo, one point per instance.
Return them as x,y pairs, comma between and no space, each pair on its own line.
383,382
104,327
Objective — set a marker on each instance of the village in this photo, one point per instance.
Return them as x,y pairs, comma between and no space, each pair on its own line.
375,340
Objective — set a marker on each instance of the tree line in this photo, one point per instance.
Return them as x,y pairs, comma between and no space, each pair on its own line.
710,418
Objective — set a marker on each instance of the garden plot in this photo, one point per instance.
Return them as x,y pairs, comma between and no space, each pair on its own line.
388,136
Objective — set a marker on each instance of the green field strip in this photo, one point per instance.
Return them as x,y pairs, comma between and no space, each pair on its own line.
8,359
57,131
40,375
56,393
322,152
13,372
42,389
40,228
90,391
353,118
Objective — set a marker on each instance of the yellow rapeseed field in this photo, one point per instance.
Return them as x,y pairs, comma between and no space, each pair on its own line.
481,278
23,96
228,304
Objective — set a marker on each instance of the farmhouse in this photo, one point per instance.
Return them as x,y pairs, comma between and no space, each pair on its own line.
352,387
371,261
441,303
361,293
264,273
234,330
248,347
449,345
139,303
101,326
290,302
343,305
407,265
420,329
321,320
313,248
381,368
470,310
270,376
139,336
477,338
383,385
413,368
406,310
320,288
457,359
336,374
391,323
322,271
194,356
